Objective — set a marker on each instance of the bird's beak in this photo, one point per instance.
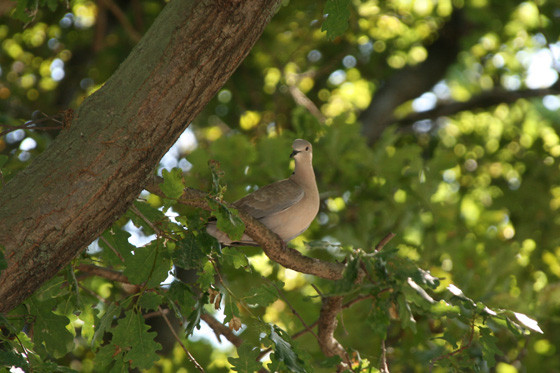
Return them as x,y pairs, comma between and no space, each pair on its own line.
294,153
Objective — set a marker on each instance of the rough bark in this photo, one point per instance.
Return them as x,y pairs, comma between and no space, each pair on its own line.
73,191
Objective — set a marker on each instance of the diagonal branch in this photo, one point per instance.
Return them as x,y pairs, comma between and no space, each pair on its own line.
107,273
220,329
96,167
484,100
272,245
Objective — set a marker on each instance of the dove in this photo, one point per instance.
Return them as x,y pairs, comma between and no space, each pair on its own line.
286,207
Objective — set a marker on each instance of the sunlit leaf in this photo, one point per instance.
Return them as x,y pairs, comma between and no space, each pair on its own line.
528,322
173,184
489,347
246,362
131,334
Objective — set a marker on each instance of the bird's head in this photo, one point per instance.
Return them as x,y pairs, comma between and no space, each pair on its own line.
302,149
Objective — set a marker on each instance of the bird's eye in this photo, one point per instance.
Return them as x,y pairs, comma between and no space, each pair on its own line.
306,148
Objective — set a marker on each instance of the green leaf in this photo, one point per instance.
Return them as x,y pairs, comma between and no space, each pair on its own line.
217,174
180,294
284,350
405,314
105,323
227,220
3,160
489,347
131,334
11,358
262,296
51,367
331,362
52,4
150,213
49,329
173,184
528,322
349,276
246,362
21,11
3,262
423,277
235,257
150,301
378,318
114,243
108,356
230,308
148,265
451,339
206,276
189,254
193,321
338,13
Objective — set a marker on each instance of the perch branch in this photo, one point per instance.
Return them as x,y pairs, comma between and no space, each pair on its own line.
272,245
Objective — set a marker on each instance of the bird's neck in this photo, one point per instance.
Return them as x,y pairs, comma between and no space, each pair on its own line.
304,175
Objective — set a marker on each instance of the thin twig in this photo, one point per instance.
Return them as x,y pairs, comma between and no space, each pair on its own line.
383,367
308,328
75,284
112,248
301,99
172,330
29,125
143,217
125,23
384,241
93,294
457,351
311,326
221,280
157,313
317,290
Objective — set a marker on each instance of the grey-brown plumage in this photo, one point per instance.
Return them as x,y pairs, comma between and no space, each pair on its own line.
287,207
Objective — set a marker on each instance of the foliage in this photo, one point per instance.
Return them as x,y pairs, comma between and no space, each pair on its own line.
472,196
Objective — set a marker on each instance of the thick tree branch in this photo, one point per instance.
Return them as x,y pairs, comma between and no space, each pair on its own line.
327,325
87,178
410,82
482,101
272,245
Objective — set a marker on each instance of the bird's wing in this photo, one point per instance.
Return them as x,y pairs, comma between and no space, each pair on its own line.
271,199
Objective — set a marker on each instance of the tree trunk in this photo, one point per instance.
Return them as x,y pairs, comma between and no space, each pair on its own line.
93,170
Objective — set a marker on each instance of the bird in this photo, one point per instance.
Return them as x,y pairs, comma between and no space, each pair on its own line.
286,207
